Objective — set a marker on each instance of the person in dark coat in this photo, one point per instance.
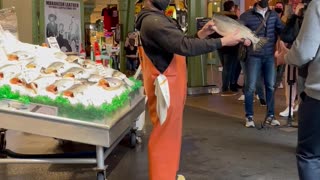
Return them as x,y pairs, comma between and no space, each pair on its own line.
261,61
228,57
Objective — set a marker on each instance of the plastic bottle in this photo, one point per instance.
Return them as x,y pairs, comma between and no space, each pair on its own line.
92,54
97,53
82,52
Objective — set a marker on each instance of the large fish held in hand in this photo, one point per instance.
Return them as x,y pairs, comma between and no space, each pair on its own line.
226,25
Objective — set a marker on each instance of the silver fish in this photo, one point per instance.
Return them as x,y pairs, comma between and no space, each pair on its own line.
226,25
75,89
9,71
54,67
72,72
72,58
88,64
117,74
43,81
60,85
23,55
94,78
36,84
110,83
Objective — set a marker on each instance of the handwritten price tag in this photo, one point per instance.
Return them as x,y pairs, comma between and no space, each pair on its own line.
102,71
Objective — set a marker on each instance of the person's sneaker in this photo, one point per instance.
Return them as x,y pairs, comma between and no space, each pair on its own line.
281,86
241,98
249,122
262,102
272,121
285,113
228,93
180,177
296,108
257,96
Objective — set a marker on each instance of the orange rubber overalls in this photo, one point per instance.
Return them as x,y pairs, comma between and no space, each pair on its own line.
165,140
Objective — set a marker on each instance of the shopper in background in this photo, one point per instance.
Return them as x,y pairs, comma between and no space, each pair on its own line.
261,61
228,56
288,35
131,55
237,10
234,86
279,8
164,47
305,52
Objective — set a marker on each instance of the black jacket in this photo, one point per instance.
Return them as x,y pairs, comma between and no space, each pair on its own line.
291,30
289,35
161,38
274,26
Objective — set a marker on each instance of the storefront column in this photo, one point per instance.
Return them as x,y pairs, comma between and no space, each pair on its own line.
131,16
126,13
197,66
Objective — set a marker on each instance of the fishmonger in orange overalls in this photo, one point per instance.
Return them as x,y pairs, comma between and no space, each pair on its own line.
162,52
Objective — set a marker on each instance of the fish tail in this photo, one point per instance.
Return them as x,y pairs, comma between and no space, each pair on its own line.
262,41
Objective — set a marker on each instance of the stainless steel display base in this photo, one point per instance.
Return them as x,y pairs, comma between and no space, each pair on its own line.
212,89
102,135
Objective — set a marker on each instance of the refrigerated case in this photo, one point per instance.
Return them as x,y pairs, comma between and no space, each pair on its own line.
104,134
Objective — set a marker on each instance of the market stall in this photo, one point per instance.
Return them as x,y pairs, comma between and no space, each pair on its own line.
104,136
45,92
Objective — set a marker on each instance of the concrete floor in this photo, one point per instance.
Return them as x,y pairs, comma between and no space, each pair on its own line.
216,146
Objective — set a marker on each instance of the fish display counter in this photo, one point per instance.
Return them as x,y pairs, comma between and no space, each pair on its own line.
45,92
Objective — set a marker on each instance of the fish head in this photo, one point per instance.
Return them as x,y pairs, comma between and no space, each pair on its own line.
52,88
13,57
16,81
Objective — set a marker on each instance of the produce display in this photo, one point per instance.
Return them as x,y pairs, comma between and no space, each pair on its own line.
80,88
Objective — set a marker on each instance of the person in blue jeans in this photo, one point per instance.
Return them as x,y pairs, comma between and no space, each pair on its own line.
259,86
261,60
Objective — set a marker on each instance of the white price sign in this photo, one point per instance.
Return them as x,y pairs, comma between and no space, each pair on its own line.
53,43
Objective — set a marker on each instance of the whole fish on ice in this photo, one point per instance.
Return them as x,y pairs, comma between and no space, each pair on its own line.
60,85
9,71
53,68
226,25
73,72
76,90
